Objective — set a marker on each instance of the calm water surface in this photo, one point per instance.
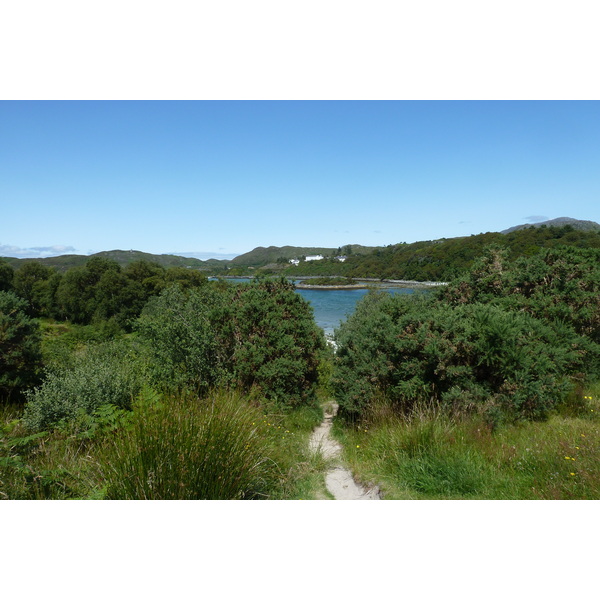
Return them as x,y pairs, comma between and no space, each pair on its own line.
331,307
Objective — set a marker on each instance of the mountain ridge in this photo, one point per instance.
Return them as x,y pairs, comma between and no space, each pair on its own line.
263,256
559,222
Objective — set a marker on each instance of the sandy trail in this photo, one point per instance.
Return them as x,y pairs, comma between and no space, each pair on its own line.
339,480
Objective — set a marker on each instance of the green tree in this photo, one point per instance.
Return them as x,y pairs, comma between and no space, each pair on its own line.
6,276
20,347
31,282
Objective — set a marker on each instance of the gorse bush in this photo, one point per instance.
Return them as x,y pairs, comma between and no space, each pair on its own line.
187,449
560,284
270,333
104,374
259,335
471,357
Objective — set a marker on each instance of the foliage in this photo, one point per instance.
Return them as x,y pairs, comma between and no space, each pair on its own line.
217,449
445,259
33,283
325,281
261,334
561,284
20,350
428,454
180,332
41,465
6,276
469,357
98,290
104,374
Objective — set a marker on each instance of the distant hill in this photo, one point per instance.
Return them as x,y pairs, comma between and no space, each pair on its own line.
560,222
262,256
425,260
445,259
123,257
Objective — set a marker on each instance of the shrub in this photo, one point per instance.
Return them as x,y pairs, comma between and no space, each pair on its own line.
179,330
471,357
273,340
105,374
561,284
259,335
20,347
189,449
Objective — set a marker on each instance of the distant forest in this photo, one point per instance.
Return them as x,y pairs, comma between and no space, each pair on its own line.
445,259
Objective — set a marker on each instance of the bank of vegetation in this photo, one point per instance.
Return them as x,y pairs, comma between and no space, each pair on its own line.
206,390
486,388
154,383
439,260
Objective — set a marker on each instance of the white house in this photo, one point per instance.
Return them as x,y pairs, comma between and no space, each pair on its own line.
295,261
317,257
340,258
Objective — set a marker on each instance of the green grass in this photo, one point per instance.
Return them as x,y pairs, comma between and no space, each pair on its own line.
44,465
223,446
432,456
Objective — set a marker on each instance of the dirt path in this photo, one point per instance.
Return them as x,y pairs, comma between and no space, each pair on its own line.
339,480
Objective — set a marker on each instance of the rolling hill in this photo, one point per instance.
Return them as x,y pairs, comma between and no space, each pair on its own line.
560,222
123,257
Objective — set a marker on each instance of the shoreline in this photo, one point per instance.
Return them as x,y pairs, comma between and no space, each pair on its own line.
366,283
354,286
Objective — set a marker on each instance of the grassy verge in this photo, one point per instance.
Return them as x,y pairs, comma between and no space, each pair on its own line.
223,446
432,456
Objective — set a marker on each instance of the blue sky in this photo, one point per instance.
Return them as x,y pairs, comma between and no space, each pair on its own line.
224,177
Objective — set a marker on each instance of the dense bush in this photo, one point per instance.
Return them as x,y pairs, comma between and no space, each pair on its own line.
181,334
560,284
261,334
104,374
20,350
469,357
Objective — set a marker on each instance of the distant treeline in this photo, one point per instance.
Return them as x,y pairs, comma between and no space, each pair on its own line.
100,290
445,259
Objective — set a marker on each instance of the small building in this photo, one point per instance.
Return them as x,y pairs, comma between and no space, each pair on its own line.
317,257
295,261
340,258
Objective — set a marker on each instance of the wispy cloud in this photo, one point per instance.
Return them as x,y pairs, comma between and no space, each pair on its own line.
36,251
536,218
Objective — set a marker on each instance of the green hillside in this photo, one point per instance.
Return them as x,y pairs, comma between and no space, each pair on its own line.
444,259
262,256
560,222
123,257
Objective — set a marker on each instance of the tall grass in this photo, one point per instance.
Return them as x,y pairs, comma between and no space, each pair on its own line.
430,455
183,448
43,465
223,446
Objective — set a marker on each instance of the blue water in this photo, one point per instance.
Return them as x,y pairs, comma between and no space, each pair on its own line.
331,307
